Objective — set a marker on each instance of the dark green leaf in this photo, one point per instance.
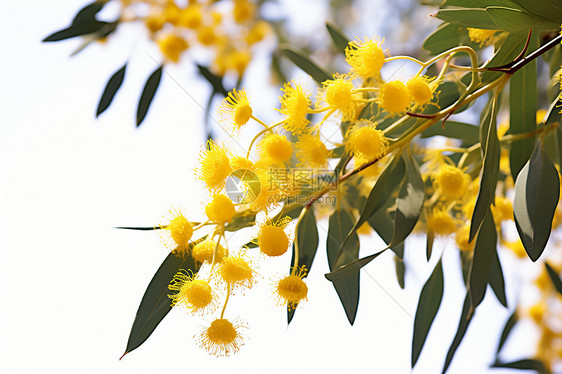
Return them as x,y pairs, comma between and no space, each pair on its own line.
514,20
141,228
113,85
383,224
242,219
148,94
526,364
350,269
496,280
307,242
464,321
341,222
551,9
429,240
448,95
554,277
522,111
469,17
339,39
303,62
490,169
155,303
484,249
506,330
506,53
400,271
537,190
83,23
428,305
457,130
214,80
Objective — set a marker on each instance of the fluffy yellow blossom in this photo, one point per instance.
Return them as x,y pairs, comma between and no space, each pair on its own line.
172,46
275,149
222,337
236,108
482,36
243,10
214,166
461,238
295,104
422,90
272,238
177,233
236,271
258,32
155,21
272,190
502,210
366,141
366,58
221,209
394,97
441,223
191,17
207,35
339,95
239,162
291,290
312,152
205,250
195,294
537,311
451,182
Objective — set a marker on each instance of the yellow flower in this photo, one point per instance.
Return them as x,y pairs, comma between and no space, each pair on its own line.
239,162
205,250
236,108
214,166
275,149
270,193
312,152
422,90
222,337
517,248
272,239
195,294
243,10
295,104
461,238
172,13
155,21
238,60
258,32
172,46
537,311
291,290
394,97
482,36
191,17
206,35
339,95
365,141
502,210
441,223
365,229
365,57
221,209
452,183
236,271
177,233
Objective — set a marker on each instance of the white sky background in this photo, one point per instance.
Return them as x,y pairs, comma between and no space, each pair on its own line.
70,284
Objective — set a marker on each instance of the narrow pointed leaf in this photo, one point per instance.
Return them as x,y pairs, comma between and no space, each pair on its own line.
351,268
430,238
554,277
303,62
525,364
400,271
458,130
510,48
214,80
148,94
339,39
464,322
537,191
383,225
83,23
496,280
146,228
111,89
307,241
155,303
514,20
506,330
469,17
341,222
428,305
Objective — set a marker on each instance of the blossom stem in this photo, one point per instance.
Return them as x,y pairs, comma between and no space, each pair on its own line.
406,58
260,134
259,121
226,300
296,262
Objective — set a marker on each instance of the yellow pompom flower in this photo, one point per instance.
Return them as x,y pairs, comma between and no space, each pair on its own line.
461,238
205,250
238,60
243,10
222,337
482,36
236,271
451,182
366,58
206,35
214,166
236,108
502,210
195,294
239,162
339,94
394,97
295,104
272,239
191,17
366,142
537,312
275,149
172,46
221,209
441,223
422,90
171,13
312,152
177,233
258,32
155,21
291,290
270,193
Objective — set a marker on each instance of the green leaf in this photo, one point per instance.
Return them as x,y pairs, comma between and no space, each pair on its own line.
537,190
141,228
514,20
400,271
509,49
83,23
550,9
468,17
155,303
482,3
148,94
341,222
428,305
522,111
241,220
525,364
350,269
445,37
340,40
113,85
214,80
506,330
448,95
464,321
429,240
484,249
303,62
307,242
383,224
490,169
554,277
496,280
457,130
410,200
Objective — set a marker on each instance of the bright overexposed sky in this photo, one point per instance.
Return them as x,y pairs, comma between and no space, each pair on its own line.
70,283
